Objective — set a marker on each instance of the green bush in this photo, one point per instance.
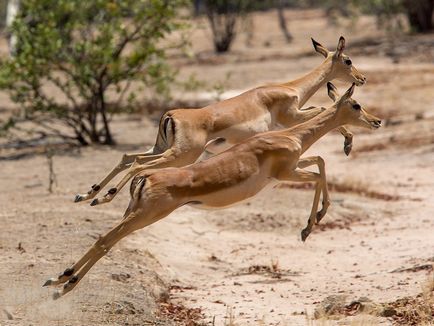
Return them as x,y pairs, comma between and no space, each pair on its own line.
71,53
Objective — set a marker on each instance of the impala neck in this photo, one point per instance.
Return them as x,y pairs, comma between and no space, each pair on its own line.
312,130
311,82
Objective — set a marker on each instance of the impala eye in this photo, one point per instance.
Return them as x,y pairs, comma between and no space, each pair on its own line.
356,106
348,62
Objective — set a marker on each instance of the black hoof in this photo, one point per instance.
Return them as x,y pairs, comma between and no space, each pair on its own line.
347,150
78,198
112,191
96,187
319,217
304,234
94,202
72,280
68,272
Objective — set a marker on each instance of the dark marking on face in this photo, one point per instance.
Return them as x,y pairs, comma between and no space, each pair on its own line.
348,62
112,191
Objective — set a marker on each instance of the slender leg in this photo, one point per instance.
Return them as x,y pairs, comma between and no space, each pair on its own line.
307,176
167,159
126,162
303,176
98,250
132,222
348,143
319,161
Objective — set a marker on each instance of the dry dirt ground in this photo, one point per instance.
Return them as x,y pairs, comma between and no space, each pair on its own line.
245,265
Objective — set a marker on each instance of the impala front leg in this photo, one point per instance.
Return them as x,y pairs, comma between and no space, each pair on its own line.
319,161
348,143
312,111
305,176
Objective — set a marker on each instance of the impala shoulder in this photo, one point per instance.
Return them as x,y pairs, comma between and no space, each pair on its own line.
286,142
276,94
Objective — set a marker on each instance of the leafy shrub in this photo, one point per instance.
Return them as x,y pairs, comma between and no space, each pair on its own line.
76,60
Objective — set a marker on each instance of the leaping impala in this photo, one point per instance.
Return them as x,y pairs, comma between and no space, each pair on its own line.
185,133
227,178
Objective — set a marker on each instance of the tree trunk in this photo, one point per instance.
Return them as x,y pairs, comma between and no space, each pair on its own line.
282,20
80,138
92,112
419,13
223,17
108,139
13,7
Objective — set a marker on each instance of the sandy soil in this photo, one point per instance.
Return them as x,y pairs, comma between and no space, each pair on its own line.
246,264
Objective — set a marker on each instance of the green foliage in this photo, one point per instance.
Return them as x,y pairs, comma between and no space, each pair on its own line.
71,53
418,12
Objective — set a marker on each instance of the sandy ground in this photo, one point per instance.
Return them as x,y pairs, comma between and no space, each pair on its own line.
245,265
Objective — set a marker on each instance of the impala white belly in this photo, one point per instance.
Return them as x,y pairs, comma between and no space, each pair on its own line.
237,194
246,129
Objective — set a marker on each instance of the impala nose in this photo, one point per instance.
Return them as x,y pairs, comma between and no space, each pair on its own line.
376,123
361,81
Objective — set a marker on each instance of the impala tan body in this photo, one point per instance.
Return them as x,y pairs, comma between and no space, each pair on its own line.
184,134
237,174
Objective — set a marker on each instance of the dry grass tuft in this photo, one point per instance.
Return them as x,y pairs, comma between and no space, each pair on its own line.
230,317
180,314
272,271
418,310
408,311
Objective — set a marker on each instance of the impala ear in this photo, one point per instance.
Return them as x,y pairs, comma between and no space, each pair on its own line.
332,91
348,93
320,49
341,46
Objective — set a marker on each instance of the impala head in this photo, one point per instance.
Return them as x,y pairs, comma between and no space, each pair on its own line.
350,110
342,65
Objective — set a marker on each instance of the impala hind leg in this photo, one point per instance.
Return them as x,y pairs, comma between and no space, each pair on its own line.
126,162
135,219
169,158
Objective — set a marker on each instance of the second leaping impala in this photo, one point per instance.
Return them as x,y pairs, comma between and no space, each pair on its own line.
185,133
237,174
